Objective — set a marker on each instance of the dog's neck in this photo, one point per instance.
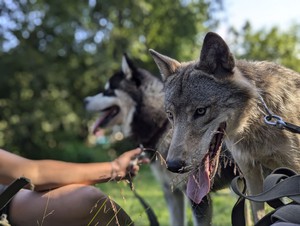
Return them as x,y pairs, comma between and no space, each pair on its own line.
153,141
147,127
157,139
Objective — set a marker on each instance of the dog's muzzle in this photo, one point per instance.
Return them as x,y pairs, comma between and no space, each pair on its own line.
177,166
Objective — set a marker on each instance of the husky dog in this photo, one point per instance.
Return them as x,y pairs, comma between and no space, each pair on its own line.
218,97
133,98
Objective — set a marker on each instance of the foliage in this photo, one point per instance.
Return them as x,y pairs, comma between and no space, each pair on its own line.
55,53
268,44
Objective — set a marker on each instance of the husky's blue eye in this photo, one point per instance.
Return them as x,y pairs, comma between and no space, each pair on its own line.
200,111
169,115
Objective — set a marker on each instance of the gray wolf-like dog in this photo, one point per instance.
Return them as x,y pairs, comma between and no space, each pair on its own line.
134,98
217,97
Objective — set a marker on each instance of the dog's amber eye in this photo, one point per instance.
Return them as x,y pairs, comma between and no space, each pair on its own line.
200,111
169,115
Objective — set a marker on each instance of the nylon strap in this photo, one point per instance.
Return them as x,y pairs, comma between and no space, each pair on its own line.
282,182
11,190
292,128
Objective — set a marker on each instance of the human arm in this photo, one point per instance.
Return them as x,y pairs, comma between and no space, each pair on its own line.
47,174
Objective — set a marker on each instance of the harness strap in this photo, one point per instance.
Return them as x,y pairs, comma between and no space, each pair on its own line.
11,190
282,182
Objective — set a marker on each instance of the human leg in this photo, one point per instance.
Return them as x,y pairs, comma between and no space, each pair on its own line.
69,205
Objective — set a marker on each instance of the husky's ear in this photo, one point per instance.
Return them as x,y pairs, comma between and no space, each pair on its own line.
127,66
215,57
166,65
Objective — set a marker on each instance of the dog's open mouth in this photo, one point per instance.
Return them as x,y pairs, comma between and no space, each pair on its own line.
199,182
105,117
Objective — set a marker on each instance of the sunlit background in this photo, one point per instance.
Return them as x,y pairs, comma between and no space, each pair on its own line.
55,53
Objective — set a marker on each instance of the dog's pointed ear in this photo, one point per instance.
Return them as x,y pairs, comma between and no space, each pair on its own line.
166,65
127,66
215,57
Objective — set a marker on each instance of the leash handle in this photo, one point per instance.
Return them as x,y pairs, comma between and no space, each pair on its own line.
282,182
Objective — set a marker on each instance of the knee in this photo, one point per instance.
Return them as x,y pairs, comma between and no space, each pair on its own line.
101,207
91,196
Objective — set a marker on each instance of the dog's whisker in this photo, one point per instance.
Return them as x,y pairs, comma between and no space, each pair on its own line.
161,158
238,141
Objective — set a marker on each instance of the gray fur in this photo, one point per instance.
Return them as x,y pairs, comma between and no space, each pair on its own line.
230,91
138,92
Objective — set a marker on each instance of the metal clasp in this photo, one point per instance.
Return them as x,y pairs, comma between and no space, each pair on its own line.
275,120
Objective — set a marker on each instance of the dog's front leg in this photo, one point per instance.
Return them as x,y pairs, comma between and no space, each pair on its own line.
252,171
176,203
175,198
202,212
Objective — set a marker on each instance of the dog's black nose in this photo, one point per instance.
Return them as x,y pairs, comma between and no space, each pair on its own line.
176,166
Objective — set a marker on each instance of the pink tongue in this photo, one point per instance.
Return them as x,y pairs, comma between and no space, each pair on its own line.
96,125
199,183
99,121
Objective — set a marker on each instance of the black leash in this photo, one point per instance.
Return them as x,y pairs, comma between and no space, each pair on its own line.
149,211
282,182
146,153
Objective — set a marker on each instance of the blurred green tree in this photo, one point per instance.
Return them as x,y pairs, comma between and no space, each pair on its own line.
54,53
273,44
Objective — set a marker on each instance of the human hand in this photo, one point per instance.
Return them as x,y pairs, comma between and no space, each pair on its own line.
127,164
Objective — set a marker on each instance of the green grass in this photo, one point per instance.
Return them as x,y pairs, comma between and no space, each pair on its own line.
146,186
